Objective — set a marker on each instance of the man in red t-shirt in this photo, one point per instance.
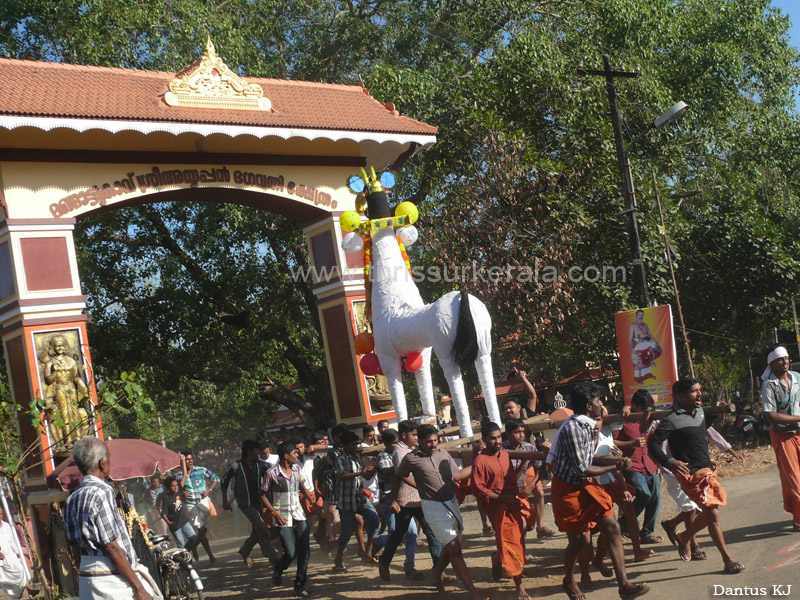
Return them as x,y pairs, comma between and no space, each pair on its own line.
643,473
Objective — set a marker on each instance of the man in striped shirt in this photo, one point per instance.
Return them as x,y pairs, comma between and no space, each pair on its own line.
351,500
109,567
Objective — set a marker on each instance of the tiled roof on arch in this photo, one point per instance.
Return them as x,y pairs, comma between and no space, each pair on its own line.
58,90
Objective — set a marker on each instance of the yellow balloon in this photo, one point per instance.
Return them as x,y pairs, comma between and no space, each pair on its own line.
350,220
407,209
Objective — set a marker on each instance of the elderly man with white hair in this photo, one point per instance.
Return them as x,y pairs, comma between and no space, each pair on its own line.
780,397
109,568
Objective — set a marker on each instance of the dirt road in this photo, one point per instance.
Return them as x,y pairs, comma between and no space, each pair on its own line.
756,528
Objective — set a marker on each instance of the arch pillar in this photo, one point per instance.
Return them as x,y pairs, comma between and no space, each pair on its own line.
40,298
338,285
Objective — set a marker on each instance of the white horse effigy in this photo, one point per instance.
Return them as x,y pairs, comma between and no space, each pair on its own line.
457,326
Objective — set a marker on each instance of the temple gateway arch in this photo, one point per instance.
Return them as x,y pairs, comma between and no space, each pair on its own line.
77,140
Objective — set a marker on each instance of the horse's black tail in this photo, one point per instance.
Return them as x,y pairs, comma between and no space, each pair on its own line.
465,347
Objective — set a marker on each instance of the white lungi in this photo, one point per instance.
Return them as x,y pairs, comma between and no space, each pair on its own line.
12,573
200,513
685,504
444,518
12,576
100,580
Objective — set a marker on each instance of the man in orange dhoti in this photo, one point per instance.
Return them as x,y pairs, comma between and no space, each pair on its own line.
494,482
780,397
579,503
685,431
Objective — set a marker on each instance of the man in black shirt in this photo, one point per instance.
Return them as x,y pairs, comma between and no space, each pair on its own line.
684,429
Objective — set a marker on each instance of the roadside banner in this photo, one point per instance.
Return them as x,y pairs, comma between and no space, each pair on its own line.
647,357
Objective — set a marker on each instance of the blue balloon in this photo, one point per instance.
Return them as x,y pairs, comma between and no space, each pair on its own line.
356,184
387,179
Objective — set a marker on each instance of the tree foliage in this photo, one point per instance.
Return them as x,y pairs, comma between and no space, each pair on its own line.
524,173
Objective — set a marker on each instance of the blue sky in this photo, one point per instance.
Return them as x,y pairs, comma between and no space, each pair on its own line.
792,8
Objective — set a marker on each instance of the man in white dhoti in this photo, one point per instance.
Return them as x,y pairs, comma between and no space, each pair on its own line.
435,475
13,579
109,568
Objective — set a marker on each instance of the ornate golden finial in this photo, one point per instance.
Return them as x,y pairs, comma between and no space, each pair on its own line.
209,83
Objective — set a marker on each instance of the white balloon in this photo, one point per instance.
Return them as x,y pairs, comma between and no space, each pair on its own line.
352,243
408,235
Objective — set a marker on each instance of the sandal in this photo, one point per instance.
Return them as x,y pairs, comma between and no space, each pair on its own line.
733,567
670,531
699,554
573,591
487,530
645,556
339,569
684,551
652,539
636,590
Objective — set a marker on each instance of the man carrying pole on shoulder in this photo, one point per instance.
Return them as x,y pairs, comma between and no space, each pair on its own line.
685,431
579,503
494,480
435,473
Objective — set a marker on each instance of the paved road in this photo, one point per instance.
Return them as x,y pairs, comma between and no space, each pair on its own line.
756,528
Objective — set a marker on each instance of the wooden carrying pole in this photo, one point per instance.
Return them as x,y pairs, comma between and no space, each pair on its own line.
458,448
544,423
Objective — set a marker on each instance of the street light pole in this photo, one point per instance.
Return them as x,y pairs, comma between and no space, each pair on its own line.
675,112
628,193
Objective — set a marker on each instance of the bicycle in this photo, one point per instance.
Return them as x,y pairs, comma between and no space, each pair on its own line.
179,580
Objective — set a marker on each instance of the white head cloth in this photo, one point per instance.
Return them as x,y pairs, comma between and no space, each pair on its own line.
779,352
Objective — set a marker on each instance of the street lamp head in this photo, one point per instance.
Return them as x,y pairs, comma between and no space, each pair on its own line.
673,113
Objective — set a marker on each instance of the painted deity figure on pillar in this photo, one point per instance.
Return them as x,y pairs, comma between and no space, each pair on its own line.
65,394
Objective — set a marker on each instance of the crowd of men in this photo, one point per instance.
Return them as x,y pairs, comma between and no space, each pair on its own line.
416,486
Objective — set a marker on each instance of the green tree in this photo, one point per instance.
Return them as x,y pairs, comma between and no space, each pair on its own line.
524,170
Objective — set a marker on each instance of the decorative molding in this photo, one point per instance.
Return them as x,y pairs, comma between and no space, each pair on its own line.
11,122
209,83
125,157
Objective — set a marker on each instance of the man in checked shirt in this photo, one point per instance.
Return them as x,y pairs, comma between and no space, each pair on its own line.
351,499
109,568
578,501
